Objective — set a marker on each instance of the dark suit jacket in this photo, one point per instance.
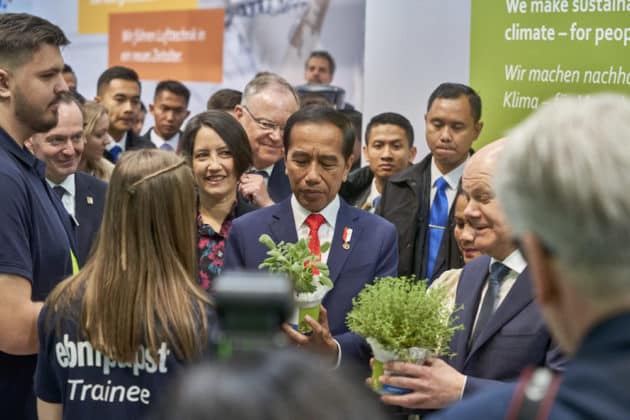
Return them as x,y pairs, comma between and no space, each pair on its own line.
357,188
515,336
594,386
372,253
278,185
405,203
88,207
133,142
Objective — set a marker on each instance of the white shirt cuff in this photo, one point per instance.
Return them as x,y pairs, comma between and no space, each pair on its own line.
461,393
338,362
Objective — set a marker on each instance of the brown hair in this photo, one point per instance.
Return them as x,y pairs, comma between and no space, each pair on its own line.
138,287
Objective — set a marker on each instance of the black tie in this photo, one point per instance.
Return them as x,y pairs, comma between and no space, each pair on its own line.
59,190
498,271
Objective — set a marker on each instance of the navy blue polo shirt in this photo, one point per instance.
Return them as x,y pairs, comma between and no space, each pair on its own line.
35,242
90,385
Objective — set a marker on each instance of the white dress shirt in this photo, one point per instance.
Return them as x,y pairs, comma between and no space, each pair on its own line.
369,200
158,141
325,234
452,179
326,230
69,195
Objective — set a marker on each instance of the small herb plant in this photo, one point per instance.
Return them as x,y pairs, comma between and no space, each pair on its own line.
400,313
297,262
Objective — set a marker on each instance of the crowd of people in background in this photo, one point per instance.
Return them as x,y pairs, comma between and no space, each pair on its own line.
114,236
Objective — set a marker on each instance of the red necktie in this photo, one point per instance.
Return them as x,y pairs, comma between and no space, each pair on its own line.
314,221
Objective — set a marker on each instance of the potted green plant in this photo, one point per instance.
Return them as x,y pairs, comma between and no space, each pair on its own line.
309,275
402,320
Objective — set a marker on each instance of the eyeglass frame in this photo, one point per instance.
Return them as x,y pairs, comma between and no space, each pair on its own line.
264,123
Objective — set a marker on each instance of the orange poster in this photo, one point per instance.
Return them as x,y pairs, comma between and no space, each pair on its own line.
93,14
183,45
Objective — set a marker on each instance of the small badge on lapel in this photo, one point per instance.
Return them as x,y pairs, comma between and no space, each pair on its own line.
90,200
347,235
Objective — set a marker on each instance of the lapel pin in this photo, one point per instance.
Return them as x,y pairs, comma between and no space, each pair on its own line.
347,235
89,200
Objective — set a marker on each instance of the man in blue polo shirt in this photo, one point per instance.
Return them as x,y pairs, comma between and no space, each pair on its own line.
36,236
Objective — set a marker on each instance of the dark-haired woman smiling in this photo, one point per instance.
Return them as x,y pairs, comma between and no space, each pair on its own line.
218,150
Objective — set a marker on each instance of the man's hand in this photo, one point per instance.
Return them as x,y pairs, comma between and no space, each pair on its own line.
434,384
320,341
253,188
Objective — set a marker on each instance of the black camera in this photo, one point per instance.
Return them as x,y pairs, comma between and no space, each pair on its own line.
251,307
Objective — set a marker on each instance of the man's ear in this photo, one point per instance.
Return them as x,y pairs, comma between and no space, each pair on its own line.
544,273
238,111
478,128
412,154
5,92
97,99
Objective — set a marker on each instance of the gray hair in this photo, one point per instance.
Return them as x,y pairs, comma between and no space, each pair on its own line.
563,177
267,80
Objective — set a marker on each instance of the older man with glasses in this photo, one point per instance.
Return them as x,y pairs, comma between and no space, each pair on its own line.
268,101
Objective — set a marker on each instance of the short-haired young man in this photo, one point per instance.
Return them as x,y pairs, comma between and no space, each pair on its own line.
388,150
419,200
169,110
118,90
36,239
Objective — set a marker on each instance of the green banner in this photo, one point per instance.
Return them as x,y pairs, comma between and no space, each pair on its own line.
526,52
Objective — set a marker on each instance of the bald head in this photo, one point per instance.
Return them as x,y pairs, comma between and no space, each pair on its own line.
493,235
485,160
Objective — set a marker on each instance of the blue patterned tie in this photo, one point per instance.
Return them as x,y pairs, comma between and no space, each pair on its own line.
438,220
167,147
498,271
376,202
115,153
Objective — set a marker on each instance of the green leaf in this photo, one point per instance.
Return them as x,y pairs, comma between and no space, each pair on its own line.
267,241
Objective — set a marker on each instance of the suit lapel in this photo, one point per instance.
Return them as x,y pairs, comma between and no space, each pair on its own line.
468,295
518,297
82,191
282,224
337,255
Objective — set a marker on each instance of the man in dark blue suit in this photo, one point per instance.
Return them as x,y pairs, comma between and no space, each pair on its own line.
82,195
503,328
268,101
318,143
118,90
559,181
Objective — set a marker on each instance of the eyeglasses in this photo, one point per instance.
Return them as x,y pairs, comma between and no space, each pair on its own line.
265,124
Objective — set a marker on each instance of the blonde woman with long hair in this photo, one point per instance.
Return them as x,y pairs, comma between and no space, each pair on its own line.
114,334
96,138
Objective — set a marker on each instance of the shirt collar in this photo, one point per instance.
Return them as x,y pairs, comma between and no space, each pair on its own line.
373,192
122,143
514,261
158,140
329,212
268,169
67,184
21,153
452,178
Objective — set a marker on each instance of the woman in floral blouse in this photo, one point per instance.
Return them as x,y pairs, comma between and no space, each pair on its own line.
218,150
